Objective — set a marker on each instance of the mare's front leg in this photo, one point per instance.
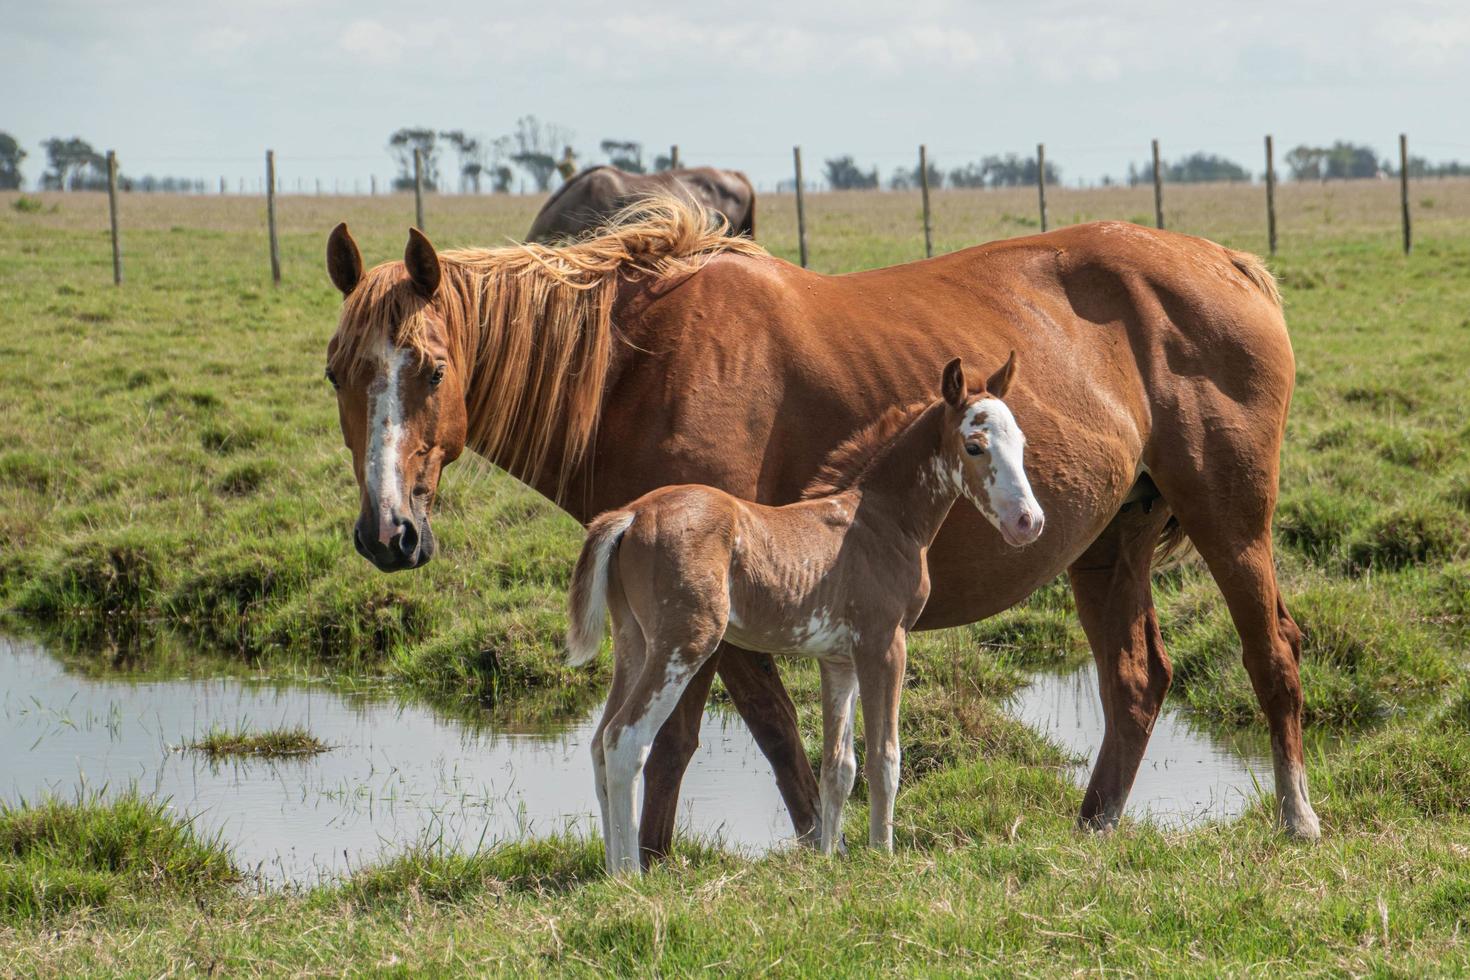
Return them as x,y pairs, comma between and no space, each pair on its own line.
839,762
668,665
880,677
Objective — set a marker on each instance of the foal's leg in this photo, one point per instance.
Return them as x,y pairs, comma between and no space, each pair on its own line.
670,663
880,678
757,692
1111,585
628,654
839,762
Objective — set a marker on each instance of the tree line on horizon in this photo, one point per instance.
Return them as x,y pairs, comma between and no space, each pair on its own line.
541,150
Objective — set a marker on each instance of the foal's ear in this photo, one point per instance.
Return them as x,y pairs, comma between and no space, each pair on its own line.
1000,381
422,262
344,261
953,386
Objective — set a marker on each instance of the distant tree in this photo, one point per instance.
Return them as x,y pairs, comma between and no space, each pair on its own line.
471,156
997,171
11,155
1421,167
845,175
907,178
402,144
1200,168
1340,161
501,175
663,162
536,144
625,155
74,165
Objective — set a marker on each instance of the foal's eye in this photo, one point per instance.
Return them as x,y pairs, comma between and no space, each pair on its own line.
332,378
973,449
437,376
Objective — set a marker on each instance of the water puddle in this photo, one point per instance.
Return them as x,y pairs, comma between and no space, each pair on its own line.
400,773
397,773
1189,776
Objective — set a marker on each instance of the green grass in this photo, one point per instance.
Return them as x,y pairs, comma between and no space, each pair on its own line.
989,876
171,476
268,744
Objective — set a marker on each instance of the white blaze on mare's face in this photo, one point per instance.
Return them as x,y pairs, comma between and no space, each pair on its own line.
1007,489
385,438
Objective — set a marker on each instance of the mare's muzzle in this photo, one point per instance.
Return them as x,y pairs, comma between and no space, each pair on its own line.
405,542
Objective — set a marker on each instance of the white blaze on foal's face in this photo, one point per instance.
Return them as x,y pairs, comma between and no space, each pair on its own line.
991,473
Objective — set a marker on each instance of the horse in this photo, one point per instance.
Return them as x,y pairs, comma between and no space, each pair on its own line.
1158,378
839,576
587,200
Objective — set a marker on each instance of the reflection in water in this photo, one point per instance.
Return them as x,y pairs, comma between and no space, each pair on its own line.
400,773
396,774
1188,776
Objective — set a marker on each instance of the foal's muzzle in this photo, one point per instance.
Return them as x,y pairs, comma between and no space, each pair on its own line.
1024,527
406,543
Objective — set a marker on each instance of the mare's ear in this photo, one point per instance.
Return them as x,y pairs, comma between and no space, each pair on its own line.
953,386
344,261
422,263
1000,381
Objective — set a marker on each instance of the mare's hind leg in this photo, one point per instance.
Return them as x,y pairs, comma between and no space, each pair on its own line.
1111,585
1225,507
839,762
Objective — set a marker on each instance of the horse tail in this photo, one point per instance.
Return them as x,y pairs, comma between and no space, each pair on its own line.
1255,270
1173,547
587,603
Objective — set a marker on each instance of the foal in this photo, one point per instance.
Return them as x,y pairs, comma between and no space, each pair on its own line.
839,577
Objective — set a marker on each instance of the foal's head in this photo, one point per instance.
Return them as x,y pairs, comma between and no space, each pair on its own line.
400,396
982,434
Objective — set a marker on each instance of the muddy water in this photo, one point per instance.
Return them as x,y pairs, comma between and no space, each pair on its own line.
400,773
1188,776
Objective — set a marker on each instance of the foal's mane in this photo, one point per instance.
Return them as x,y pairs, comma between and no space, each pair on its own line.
854,456
530,326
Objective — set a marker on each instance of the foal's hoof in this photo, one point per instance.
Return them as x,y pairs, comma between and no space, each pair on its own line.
841,846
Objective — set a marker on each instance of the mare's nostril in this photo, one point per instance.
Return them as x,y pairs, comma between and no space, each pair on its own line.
407,539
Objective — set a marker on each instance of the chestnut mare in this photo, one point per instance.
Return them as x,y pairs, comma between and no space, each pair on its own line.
840,577
1158,369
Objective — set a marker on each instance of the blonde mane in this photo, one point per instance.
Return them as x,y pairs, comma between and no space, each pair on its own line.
855,455
530,326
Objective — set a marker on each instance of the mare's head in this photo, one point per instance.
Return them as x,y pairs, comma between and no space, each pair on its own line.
982,435
400,395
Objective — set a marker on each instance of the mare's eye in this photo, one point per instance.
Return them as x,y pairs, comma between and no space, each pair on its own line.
332,378
973,449
437,376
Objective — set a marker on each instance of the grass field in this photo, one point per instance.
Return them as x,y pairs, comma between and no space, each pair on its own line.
172,480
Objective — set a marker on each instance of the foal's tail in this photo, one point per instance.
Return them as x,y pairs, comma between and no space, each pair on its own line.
587,604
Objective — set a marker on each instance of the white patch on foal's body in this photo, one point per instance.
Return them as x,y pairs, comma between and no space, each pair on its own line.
385,438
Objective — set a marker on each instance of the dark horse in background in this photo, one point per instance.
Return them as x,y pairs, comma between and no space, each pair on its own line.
1157,367
586,201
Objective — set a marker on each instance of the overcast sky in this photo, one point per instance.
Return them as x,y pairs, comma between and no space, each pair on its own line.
201,88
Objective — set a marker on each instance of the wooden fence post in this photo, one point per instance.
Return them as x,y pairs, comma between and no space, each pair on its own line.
1158,189
373,185
1041,180
418,189
270,214
1271,193
1404,189
112,216
222,186
800,207
674,157
924,190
